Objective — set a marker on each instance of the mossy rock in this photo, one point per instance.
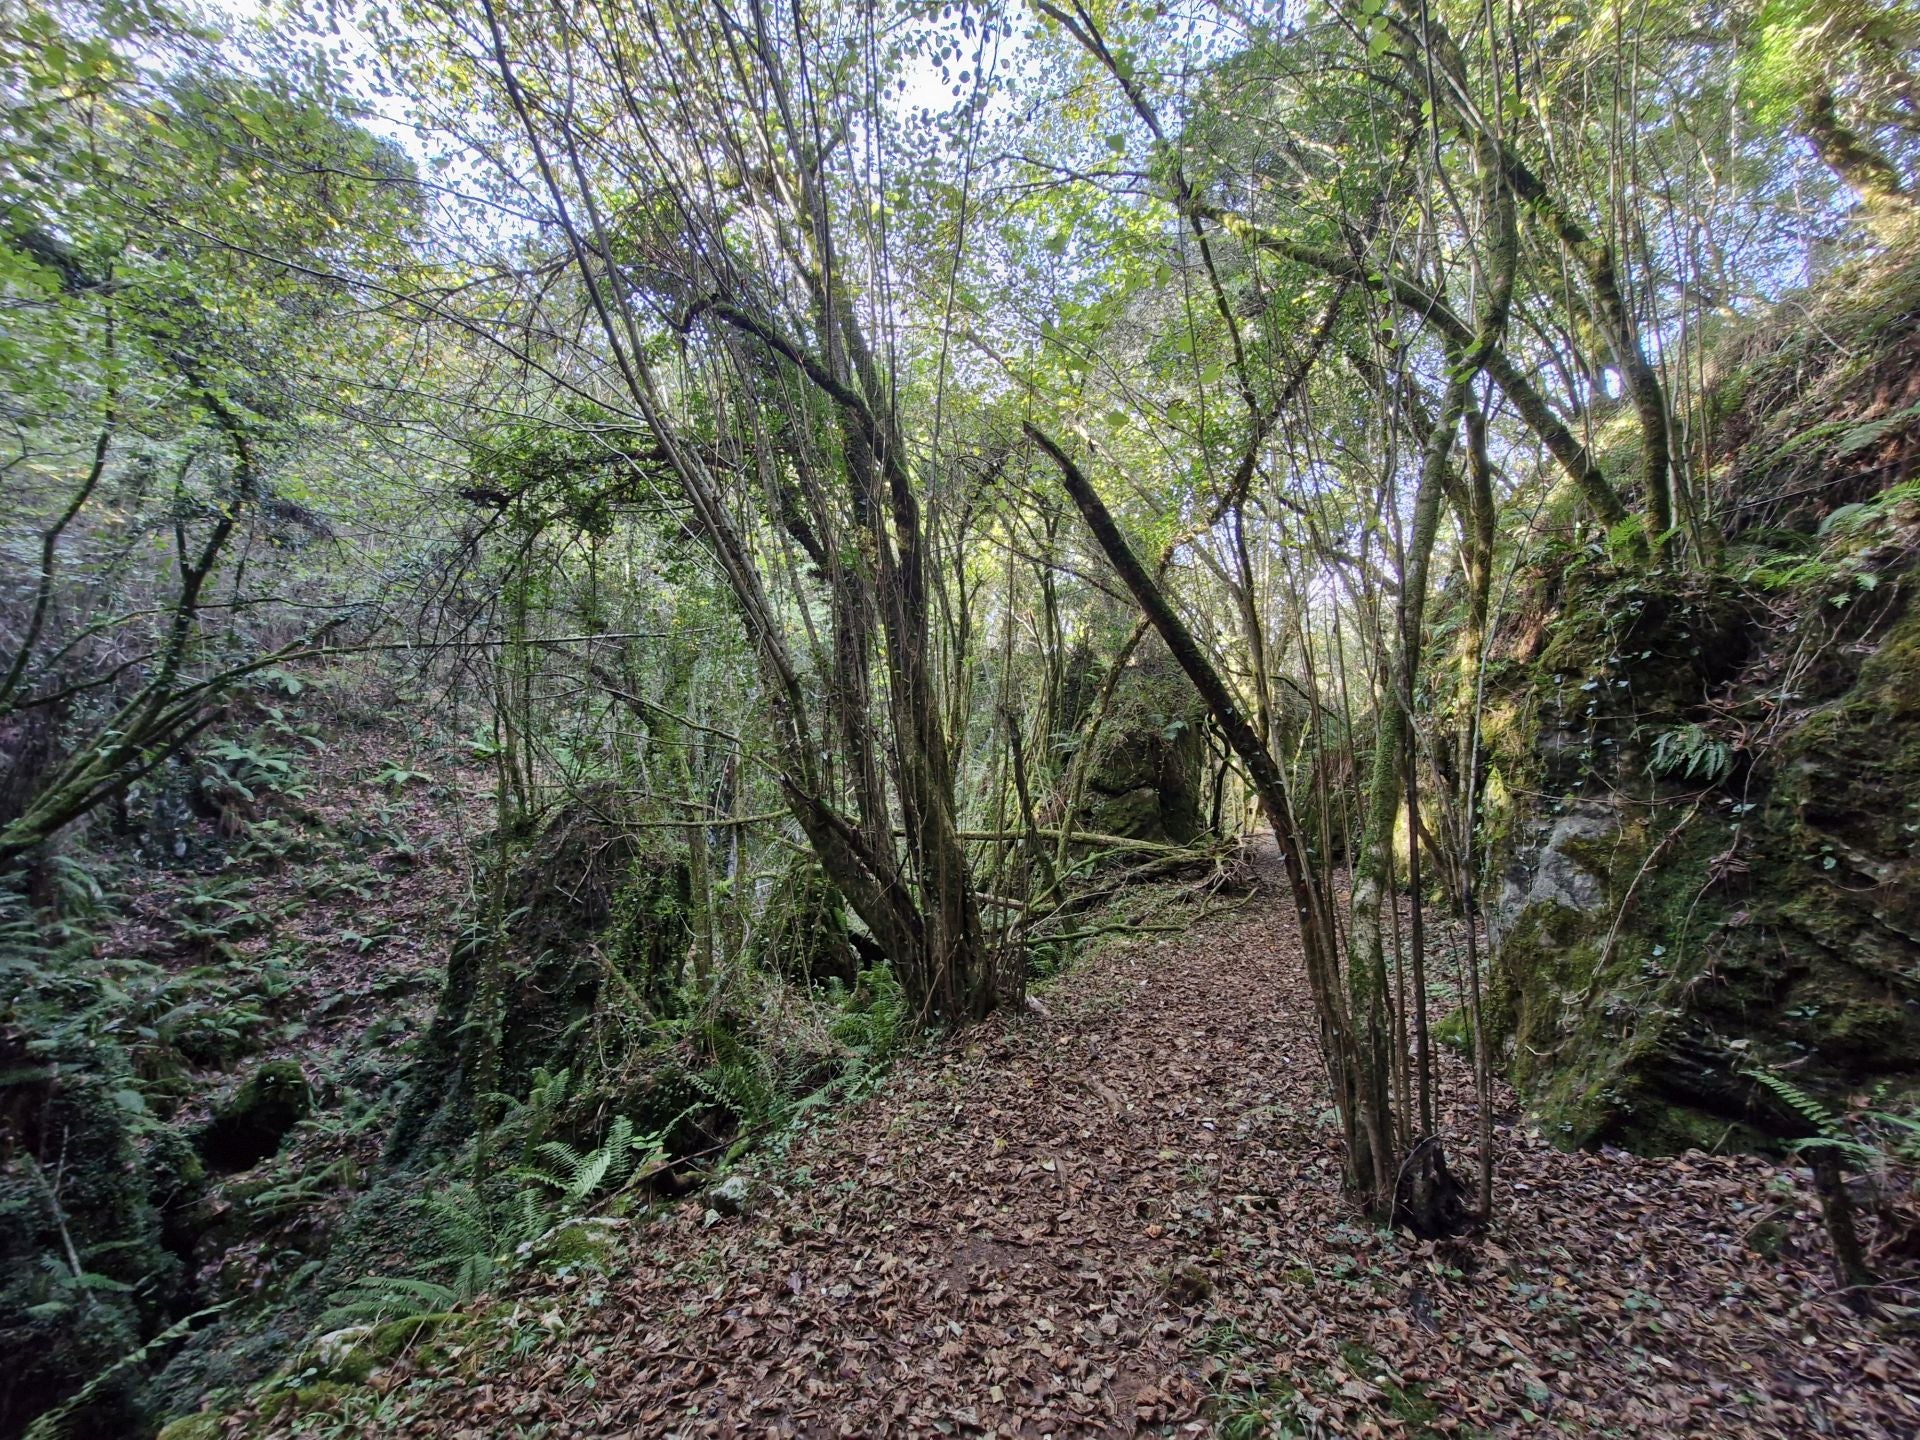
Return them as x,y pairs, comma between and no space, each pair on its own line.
321,1394
68,1115
256,1119
586,1241
177,1184
1146,777
803,932
1646,966
417,1337
1137,814
584,899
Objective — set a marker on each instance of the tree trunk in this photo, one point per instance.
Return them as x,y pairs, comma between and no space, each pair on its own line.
1861,168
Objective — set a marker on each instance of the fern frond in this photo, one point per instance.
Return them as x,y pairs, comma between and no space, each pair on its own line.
587,1179
563,1168
1859,1152
1824,1122
379,1298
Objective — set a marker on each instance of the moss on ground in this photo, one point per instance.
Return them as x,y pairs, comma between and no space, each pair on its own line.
420,1338
204,1426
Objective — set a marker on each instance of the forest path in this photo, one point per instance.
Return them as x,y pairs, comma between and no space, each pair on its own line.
1124,1217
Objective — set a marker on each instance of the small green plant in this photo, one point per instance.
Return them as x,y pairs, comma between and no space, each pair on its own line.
1881,1148
1271,1412
360,882
575,1177
279,682
80,892
363,941
214,913
481,747
272,843
252,768
875,1023
481,1231
1689,752
394,776
1791,573
53,1423
1867,1138
380,1298
1848,518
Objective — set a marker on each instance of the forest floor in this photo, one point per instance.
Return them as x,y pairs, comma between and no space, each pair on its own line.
1124,1216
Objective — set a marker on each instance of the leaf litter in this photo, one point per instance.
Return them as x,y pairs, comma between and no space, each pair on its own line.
1123,1215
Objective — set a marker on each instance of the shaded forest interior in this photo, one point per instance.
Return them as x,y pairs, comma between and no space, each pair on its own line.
957,718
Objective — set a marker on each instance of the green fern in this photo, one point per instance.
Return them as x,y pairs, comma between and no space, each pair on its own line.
546,1096
1818,1115
1830,1131
742,1083
570,1174
380,1298
876,1020
575,1178
1691,752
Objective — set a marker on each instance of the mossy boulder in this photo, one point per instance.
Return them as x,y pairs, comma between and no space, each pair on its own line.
1455,1031
587,1240
352,1356
1661,937
253,1122
803,931
1147,776
177,1186
593,921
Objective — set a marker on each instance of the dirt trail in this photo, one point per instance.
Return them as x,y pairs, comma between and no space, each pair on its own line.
1124,1217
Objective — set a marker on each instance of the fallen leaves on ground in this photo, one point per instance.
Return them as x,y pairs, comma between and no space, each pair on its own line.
1124,1216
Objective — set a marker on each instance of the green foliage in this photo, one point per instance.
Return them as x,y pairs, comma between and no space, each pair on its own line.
574,1178
216,911
1850,519
54,1423
1867,1139
650,931
83,1265
1690,753
1799,45
576,469
391,1297
1825,1124
395,776
741,1083
482,1229
253,769
205,254
875,1019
